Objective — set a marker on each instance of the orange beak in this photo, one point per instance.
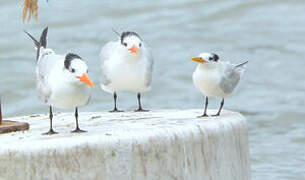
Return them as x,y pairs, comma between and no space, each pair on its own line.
134,49
85,79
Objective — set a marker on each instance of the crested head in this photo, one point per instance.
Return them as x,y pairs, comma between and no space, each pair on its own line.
131,41
76,69
69,58
129,34
209,57
206,58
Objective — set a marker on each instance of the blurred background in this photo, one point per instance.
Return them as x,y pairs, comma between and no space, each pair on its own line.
269,34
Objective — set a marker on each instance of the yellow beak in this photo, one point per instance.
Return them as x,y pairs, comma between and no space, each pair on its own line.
85,79
198,59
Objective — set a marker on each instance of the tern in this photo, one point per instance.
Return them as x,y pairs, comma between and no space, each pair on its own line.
216,78
61,80
126,65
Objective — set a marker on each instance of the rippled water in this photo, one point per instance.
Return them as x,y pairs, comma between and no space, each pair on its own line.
270,34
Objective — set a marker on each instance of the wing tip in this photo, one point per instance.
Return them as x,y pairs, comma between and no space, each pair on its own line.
242,64
43,37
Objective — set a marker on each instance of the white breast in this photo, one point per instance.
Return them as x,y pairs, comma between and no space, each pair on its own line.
126,74
70,96
66,94
207,81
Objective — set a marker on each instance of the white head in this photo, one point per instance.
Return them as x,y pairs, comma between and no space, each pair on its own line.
132,42
76,70
206,58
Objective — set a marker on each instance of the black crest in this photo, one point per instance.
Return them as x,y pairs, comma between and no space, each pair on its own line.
69,58
215,57
128,33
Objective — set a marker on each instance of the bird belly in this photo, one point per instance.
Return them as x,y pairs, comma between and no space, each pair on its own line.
70,97
208,83
128,77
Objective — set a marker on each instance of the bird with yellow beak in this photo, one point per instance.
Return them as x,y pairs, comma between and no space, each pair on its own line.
214,78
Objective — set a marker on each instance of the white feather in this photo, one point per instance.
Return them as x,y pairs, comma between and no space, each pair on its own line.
123,71
216,79
55,85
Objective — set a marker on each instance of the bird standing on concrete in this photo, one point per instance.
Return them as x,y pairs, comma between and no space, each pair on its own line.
215,78
126,65
61,81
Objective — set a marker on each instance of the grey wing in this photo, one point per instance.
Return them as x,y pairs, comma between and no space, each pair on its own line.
105,55
229,80
44,66
149,66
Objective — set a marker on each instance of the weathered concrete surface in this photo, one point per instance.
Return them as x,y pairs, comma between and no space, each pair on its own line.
167,144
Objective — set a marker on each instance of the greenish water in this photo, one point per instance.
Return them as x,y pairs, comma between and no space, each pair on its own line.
270,34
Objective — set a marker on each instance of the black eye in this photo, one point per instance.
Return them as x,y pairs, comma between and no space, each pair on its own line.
140,44
73,70
216,57
125,44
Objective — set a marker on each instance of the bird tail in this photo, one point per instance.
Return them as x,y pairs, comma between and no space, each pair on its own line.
241,64
43,38
241,67
41,43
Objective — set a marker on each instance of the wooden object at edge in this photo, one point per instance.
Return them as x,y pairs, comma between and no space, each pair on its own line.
7,126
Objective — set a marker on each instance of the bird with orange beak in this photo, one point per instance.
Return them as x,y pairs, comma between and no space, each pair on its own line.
61,80
215,78
126,66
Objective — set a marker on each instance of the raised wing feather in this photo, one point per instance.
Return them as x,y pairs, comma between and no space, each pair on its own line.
150,64
47,61
230,79
105,54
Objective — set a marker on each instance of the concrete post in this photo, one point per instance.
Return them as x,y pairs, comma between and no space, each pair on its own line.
156,145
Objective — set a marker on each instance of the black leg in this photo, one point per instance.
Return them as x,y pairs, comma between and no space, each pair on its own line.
51,131
205,107
115,108
140,107
221,106
77,130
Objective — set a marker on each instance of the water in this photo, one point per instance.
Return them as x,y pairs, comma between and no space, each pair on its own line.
270,34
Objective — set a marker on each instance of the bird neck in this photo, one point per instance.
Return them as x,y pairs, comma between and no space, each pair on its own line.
205,66
134,57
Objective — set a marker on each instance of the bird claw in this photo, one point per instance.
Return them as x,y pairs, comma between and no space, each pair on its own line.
215,115
141,110
50,132
115,111
202,116
77,130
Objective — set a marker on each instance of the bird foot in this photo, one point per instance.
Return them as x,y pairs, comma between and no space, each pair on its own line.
215,115
202,116
141,110
115,111
50,132
77,130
